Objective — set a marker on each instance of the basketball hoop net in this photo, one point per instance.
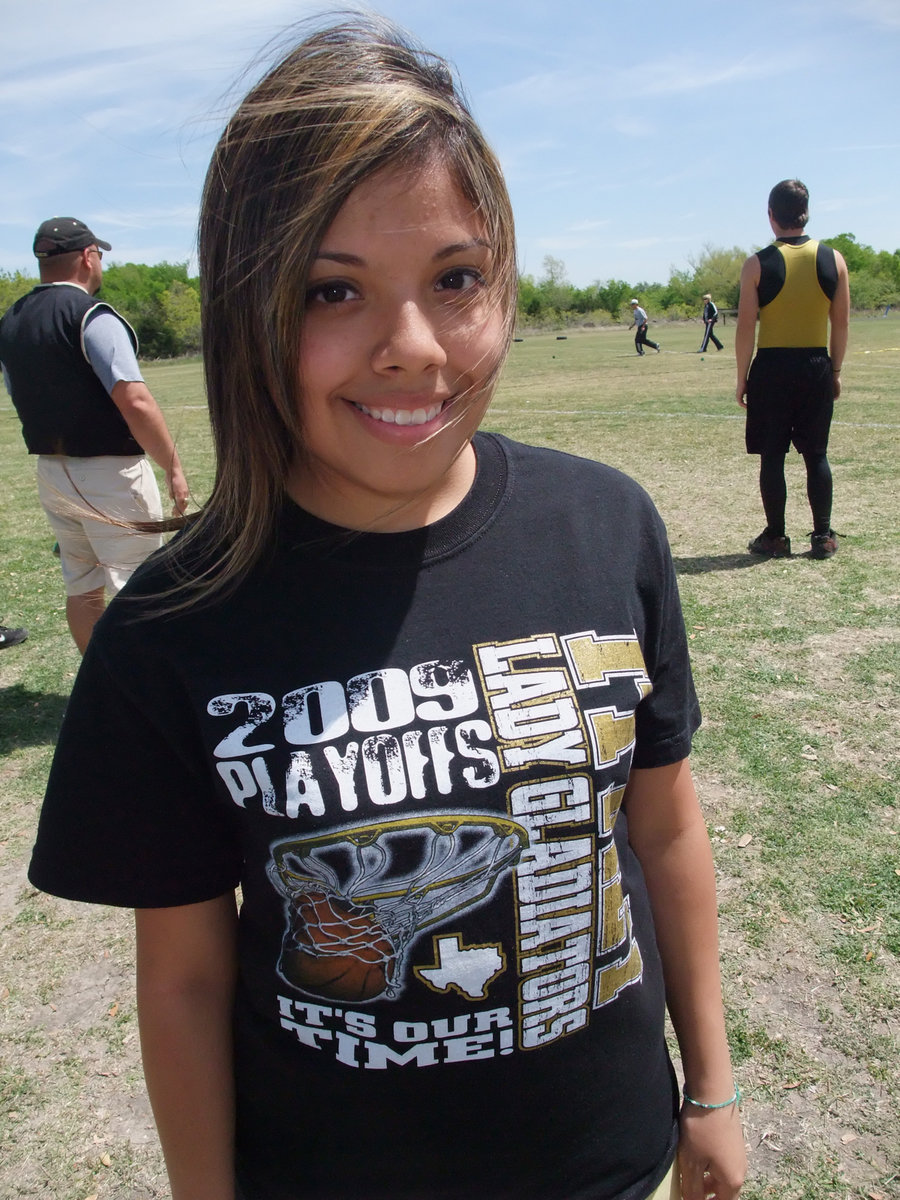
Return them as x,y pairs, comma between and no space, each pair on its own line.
357,897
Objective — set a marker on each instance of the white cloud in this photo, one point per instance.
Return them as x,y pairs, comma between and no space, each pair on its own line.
871,148
692,72
548,89
883,13
632,127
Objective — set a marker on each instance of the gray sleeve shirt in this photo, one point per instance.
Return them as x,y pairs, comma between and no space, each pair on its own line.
109,350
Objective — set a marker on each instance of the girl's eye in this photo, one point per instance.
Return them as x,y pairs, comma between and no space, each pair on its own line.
460,279
330,293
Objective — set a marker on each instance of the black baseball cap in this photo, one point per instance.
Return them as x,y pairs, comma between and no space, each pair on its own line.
62,235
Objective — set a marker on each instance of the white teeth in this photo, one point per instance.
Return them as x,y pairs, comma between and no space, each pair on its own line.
401,416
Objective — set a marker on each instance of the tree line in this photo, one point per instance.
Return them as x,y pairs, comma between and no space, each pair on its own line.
162,302
874,283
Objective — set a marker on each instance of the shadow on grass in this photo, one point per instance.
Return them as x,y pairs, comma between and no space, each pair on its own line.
29,718
716,562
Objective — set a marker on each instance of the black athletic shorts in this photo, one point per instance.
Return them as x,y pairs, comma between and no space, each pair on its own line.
790,398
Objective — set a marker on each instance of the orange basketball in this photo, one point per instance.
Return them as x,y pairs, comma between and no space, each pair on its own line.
336,949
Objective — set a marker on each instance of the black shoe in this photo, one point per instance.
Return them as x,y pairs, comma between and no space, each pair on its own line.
11,637
823,545
770,547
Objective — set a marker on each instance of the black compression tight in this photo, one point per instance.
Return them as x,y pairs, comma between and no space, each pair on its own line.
773,489
819,490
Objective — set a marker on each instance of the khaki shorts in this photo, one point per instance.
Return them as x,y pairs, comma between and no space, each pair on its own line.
82,497
670,1188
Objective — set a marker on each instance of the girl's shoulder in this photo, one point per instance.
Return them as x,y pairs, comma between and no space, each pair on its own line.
565,479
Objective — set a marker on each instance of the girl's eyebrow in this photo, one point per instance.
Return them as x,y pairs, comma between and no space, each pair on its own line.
354,260
347,260
461,248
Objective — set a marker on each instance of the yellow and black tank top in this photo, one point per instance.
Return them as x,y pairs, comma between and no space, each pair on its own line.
797,282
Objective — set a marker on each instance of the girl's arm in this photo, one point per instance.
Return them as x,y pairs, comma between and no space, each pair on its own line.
186,965
668,834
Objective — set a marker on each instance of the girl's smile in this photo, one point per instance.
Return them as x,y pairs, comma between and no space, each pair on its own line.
401,342
402,416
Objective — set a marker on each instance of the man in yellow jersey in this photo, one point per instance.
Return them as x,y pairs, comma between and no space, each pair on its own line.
796,287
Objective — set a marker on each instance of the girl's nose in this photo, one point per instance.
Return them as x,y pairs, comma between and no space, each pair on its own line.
412,343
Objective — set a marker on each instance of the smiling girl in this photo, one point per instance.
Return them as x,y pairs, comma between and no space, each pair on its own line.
420,692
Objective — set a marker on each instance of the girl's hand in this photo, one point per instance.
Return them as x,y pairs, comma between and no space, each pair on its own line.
711,1153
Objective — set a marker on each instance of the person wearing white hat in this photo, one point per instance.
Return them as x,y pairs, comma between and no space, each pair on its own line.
639,320
710,316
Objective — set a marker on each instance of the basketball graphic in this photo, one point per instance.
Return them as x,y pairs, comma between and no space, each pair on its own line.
336,949
356,897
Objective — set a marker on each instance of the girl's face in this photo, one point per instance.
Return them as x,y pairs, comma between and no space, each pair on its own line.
401,335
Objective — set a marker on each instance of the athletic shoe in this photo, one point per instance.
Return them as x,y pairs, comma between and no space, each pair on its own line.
823,545
11,637
770,547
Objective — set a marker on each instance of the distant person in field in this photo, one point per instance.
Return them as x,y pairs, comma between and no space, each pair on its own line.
796,287
639,321
70,365
710,316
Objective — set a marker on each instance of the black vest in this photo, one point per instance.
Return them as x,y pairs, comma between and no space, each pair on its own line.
63,406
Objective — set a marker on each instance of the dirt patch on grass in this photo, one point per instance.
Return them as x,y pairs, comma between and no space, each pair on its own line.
815,1030
74,1115
813,1092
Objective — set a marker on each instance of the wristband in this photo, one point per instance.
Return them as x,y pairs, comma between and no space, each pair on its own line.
735,1099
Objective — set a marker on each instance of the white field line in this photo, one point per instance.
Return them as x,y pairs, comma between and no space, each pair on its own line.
583,412
634,412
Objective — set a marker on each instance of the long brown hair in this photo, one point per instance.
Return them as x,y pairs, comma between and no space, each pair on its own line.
346,102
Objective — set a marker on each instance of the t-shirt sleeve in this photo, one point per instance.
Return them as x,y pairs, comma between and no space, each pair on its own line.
667,719
109,350
128,818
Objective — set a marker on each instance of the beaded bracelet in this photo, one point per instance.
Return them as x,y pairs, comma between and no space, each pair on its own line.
735,1099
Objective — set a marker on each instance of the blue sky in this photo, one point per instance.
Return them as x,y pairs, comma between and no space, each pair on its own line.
632,135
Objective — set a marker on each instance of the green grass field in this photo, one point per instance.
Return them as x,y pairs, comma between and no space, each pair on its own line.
797,664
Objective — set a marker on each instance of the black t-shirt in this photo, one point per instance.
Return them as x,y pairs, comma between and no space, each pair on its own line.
410,751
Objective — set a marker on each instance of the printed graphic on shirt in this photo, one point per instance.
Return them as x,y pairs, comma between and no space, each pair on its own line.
377,896
357,897
365,1039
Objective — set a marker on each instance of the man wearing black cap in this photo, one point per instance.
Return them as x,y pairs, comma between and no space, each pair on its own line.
70,365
